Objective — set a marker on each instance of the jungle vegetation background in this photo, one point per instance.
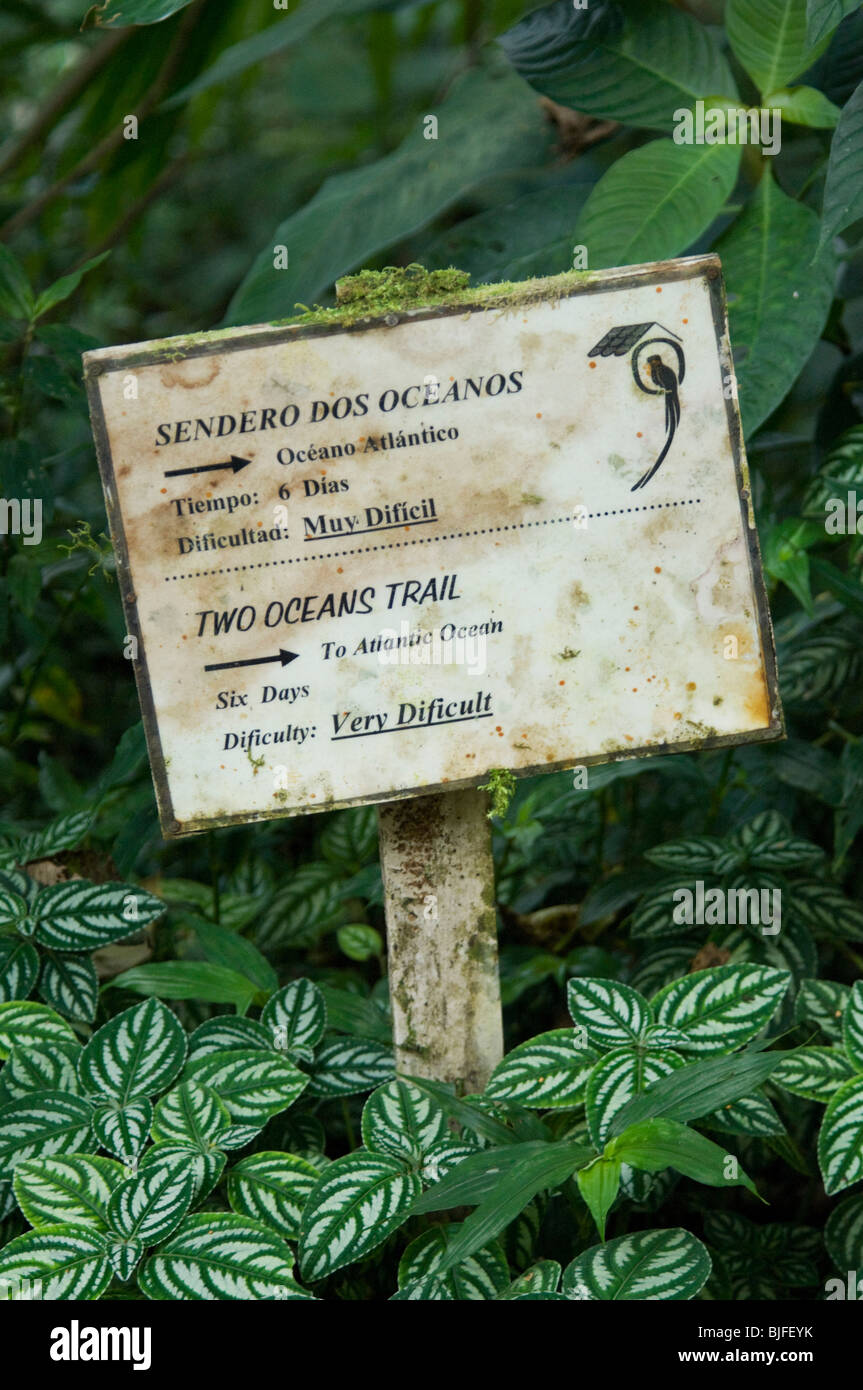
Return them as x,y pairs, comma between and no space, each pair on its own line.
304,126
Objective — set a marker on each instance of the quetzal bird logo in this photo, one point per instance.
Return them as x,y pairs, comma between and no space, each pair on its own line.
665,380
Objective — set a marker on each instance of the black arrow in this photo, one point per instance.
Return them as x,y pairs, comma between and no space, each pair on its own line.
235,463
284,657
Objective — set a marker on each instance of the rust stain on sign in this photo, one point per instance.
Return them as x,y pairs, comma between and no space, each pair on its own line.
368,562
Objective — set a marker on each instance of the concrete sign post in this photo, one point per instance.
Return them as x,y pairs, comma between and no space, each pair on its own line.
371,559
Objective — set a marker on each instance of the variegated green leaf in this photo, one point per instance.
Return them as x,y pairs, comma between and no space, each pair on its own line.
136,1054
23,1024
813,1072
843,1235
68,1261
50,1067
193,1114
273,1188
149,1205
618,1077
548,1071
47,1123
541,1278
402,1120
63,833
206,1169
295,1018
482,1276
446,1155
123,1129
218,1255
66,1187
125,1256
822,1002
252,1084
698,854
852,1025
613,1014
722,1008
347,1066
81,916
840,1140
226,1034
19,966
749,1115
826,910
358,1201
667,1265
70,985
238,1136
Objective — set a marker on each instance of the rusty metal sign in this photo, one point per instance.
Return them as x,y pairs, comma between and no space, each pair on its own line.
364,562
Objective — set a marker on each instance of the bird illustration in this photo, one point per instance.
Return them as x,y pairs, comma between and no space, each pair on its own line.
665,378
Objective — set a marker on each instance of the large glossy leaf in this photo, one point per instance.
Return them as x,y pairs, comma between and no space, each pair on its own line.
656,1144
227,948
667,1265
770,39
548,1071
189,979
699,1089
358,1201
273,1188
68,1261
81,916
533,235
66,1187
843,192
48,1123
23,1024
401,1120
136,1054
719,1009
778,299
655,201
840,1140
252,1084
218,1255
822,16
636,63
491,119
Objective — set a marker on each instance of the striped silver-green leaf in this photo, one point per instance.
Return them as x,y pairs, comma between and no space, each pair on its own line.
826,909
123,1129
23,1024
49,1067
81,916
19,966
218,1255
150,1204
666,1265
66,1187
402,1120
205,1168
295,1018
822,1002
618,1077
748,1115
358,1201
253,1084
136,1054
238,1136
550,1070
813,1072
47,1123
481,1277
843,1235
442,1157
699,854
852,1025
65,1261
724,1007
125,1256
70,985
226,1034
193,1114
613,1014
347,1066
273,1188
840,1139
63,833
541,1278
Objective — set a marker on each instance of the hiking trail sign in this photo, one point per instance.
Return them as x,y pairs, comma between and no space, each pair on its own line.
369,560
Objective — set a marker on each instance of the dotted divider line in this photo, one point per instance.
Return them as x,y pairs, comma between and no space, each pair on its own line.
430,540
